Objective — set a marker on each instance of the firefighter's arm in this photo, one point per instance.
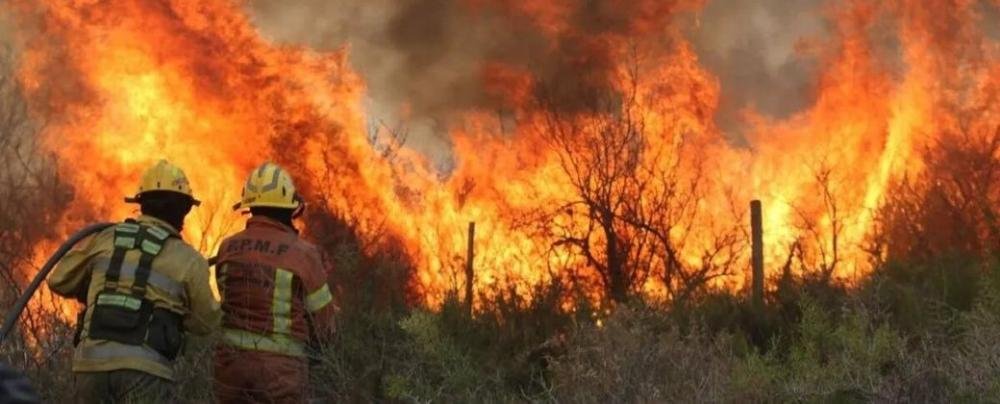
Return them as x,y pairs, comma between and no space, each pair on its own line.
321,310
71,276
205,313
319,300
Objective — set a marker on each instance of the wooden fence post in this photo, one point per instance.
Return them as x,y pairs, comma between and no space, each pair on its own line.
757,256
469,274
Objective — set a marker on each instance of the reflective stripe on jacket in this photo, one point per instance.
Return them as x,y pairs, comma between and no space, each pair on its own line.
179,282
273,286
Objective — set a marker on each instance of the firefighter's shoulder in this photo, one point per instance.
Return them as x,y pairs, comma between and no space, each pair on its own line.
178,251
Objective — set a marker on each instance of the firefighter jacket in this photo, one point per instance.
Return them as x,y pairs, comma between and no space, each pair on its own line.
274,289
177,283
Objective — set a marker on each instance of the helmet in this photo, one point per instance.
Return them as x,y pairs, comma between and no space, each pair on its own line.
164,177
269,186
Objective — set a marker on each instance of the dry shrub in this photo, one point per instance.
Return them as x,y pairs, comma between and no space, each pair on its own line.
638,356
32,199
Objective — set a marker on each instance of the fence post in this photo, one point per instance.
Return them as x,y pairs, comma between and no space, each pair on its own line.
757,256
469,274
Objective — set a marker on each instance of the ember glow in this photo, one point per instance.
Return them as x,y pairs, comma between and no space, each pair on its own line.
613,129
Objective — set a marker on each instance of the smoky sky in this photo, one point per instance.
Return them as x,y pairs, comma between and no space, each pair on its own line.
423,57
420,59
751,46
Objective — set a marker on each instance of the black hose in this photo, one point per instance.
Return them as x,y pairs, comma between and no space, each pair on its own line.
15,311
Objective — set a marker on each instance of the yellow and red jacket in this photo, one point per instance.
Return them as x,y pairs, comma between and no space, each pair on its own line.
275,294
178,282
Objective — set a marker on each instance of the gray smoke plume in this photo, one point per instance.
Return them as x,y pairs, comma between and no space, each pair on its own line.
424,55
424,58
420,59
751,47
429,53
991,19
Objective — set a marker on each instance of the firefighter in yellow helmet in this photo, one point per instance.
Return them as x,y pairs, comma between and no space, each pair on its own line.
275,297
144,289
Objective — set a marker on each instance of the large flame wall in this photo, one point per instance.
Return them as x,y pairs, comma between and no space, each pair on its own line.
120,84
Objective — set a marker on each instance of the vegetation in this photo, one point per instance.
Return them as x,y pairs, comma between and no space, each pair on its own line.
903,335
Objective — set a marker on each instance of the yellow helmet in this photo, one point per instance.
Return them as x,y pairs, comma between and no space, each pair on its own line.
269,186
164,177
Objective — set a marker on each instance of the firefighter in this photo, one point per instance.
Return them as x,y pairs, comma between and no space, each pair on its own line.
144,288
275,297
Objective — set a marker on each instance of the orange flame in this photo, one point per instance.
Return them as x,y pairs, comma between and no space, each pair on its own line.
122,84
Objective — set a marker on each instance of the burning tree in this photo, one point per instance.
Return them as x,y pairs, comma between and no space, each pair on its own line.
601,154
635,215
952,208
820,225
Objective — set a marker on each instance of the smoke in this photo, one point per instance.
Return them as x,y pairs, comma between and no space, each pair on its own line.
429,53
419,58
7,41
991,19
423,60
761,51
421,55
17,127
752,47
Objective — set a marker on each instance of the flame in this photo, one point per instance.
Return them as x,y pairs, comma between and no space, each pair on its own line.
122,84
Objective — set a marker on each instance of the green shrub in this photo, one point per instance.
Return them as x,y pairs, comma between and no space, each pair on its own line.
827,360
975,357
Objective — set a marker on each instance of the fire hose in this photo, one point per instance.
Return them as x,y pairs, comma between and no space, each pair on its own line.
15,311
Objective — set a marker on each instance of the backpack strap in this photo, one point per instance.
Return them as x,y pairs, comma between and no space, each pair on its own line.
131,235
126,238
152,241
